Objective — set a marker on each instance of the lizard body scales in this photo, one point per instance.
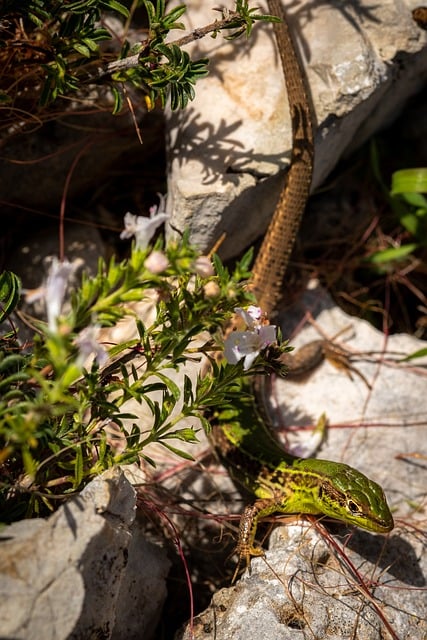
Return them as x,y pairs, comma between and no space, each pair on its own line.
273,257
281,482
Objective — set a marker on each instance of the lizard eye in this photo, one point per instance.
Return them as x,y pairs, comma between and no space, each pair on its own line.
353,507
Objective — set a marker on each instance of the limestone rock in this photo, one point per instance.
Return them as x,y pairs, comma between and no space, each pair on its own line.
76,574
307,587
362,63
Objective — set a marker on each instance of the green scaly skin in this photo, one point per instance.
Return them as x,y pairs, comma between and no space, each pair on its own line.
283,483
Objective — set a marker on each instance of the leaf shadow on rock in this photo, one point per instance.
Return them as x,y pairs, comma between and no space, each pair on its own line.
77,503
214,147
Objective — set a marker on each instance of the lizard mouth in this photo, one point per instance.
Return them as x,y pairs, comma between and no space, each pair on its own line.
381,524
385,525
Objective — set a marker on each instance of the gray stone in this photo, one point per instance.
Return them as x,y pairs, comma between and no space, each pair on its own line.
354,584
142,591
362,62
311,587
67,577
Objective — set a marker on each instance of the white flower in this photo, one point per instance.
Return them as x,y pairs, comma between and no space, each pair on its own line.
87,342
211,289
251,316
34,295
144,228
248,344
56,286
54,289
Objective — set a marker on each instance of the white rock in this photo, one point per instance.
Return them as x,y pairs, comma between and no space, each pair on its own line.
67,577
306,588
362,64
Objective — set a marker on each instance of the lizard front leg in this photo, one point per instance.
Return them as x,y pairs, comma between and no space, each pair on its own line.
246,547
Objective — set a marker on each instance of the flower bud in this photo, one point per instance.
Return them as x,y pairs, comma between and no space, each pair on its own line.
156,262
211,289
203,267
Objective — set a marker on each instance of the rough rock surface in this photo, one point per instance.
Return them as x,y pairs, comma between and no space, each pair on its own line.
83,573
362,61
309,586
308,589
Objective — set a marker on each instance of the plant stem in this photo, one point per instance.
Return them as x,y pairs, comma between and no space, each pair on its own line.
133,61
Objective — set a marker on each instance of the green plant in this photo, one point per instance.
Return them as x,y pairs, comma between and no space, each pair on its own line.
51,49
407,189
409,206
58,400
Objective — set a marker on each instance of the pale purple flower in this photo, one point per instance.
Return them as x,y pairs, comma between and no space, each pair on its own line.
144,228
156,262
203,267
34,295
248,344
52,292
251,316
87,342
56,285
157,208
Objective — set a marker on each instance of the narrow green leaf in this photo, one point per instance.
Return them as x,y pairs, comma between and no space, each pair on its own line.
175,14
116,6
417,354
205,424
411,222
185,434
82,49
13,379
416,200
151,12
409,181
178,452
91,44
148,459
10,286
170,385
30,464
70,375
393,253
188,391
78,466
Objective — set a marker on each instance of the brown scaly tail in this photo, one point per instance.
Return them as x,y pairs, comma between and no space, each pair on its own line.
273,258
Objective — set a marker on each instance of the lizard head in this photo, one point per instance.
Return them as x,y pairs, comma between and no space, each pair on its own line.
346,494
350,496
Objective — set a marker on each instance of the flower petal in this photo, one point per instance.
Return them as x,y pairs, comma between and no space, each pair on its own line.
146,229
87,342
130,221
255,313
246,317
142,228
203,266
56,286
267,334
249,360
156,262
242,344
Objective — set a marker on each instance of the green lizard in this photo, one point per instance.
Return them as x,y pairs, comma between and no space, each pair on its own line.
283,483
